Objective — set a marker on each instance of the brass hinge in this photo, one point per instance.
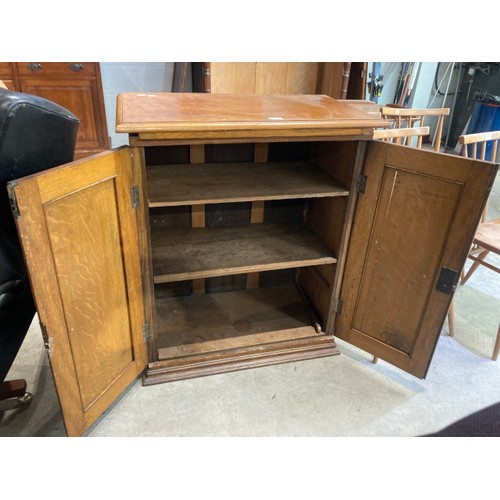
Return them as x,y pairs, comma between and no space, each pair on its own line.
134,196
361,184
146,332
13,199
338,306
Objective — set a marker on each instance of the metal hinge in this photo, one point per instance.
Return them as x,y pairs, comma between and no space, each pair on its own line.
361,183
134,196
146,332
45,335
338,306
13,200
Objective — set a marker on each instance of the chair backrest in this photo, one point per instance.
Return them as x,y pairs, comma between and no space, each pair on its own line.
408,117
476,146
401,135
484,140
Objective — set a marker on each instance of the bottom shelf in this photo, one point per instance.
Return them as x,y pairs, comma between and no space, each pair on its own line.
214,333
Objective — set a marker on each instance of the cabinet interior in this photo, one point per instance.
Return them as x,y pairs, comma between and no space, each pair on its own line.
245,240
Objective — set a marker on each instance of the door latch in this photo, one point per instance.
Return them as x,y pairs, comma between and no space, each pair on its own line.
447,282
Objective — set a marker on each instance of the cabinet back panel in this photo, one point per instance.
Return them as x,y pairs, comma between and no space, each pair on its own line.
169,217
164,155
289,151
225,153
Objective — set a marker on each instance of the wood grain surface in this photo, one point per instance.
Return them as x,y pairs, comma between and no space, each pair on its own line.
180,254
418,214
80,240
170,185
139,113
232,319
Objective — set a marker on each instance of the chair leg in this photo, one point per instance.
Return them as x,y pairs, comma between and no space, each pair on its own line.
474,266
13,393
497,345
451,319
374,360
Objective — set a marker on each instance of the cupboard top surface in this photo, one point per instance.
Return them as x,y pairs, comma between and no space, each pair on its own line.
177,112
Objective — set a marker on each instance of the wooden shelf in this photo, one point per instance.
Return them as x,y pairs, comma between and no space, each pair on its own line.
192,253
197,324
195,184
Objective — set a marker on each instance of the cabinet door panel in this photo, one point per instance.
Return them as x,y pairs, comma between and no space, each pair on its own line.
81,97
417,216
79,235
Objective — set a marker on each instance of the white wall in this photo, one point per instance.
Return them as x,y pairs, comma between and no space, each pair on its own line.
120,77
421,90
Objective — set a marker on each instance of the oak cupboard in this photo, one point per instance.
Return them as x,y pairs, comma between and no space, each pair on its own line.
239,231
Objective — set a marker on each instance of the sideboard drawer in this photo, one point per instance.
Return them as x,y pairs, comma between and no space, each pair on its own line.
67,69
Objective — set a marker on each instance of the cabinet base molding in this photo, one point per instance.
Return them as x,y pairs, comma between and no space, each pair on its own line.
239,359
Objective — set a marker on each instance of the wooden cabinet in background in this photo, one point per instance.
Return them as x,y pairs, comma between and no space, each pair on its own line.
7,76
75,86
241,231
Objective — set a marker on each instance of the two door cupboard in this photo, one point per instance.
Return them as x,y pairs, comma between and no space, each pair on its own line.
239,231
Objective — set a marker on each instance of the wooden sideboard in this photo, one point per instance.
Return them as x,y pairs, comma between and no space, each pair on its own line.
75,86
241,231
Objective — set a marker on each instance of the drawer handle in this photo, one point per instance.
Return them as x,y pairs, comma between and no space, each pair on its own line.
76,67
35,67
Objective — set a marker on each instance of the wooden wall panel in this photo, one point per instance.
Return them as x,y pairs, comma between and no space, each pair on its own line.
263,78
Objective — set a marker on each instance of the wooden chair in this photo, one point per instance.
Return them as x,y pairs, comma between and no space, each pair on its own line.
475,146
403,136
408,117
487,237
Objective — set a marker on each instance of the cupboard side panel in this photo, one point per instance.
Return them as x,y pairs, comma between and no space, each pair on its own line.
145,252
128,169
332,219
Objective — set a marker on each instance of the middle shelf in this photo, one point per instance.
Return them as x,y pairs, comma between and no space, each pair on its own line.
192,253
194,184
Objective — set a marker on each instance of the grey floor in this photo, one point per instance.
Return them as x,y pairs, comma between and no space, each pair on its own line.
344,395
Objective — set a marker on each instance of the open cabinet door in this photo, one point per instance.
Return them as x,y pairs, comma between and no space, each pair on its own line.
412,229
78,229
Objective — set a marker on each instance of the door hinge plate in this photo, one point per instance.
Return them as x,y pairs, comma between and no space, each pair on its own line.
361,184
338,306
447,282
13,199
45,335
146,332
134,196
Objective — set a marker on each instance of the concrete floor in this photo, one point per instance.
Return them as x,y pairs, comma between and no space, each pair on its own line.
343,395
